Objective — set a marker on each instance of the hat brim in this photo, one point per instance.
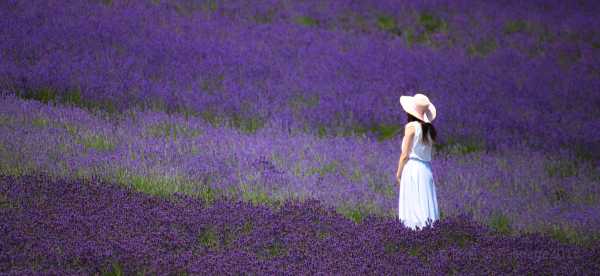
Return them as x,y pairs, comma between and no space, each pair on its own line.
408,104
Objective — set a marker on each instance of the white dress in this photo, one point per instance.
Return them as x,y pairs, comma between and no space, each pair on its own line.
417,203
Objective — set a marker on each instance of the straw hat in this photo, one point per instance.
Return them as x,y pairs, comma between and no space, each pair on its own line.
418,106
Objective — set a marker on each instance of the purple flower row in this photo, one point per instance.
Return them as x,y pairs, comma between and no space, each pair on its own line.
87,227
511,73
162,154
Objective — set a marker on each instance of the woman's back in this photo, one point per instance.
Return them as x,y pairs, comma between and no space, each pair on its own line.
417,200
419,150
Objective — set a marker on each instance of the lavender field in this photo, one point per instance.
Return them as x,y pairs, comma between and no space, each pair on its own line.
163,127
81,227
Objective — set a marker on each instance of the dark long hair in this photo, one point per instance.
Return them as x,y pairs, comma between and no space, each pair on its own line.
428,129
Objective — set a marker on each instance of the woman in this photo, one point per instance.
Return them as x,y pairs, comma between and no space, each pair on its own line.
417,203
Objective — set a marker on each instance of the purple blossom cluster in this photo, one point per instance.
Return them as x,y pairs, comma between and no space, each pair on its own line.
88,227
521,189
501,73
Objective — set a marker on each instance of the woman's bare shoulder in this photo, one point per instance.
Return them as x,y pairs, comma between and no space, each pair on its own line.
409,129
411,124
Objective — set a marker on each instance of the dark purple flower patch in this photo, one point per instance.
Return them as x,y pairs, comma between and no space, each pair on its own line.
87,227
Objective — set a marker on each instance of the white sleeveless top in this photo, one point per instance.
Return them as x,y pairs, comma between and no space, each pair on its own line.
419,149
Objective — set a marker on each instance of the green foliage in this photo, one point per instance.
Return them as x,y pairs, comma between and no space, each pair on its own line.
388,24
44,95
272,250
211,238
104,105
322,131
247,227
357,130
149,185
69,97
431,22
213,85
208,238
415,251
39,122
73,97
231,193
381,185
154,104
567,57
15,170
483,47
297,169
418,251
460,239
160,185
356,175
97,142
515,26
590,198
353,214
381,131
83,173
561,168
461,146
357,212
412,37
463,149
258,196
300,101
207,194
391,247
349,20
5,203
211,118
409,37
6,120
265,18
385,131
211,5
187,8
322,234
114,270
227,237
566,234
500,222
560,195
188,112
248,124
55,154
582,151
172,130
307,21
71,129
328,167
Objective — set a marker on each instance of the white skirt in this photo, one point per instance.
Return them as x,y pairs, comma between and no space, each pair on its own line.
417,203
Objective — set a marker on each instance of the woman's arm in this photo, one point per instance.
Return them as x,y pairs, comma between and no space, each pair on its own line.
407,141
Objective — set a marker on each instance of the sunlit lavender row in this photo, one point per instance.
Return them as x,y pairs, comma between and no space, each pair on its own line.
519,189
500,74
